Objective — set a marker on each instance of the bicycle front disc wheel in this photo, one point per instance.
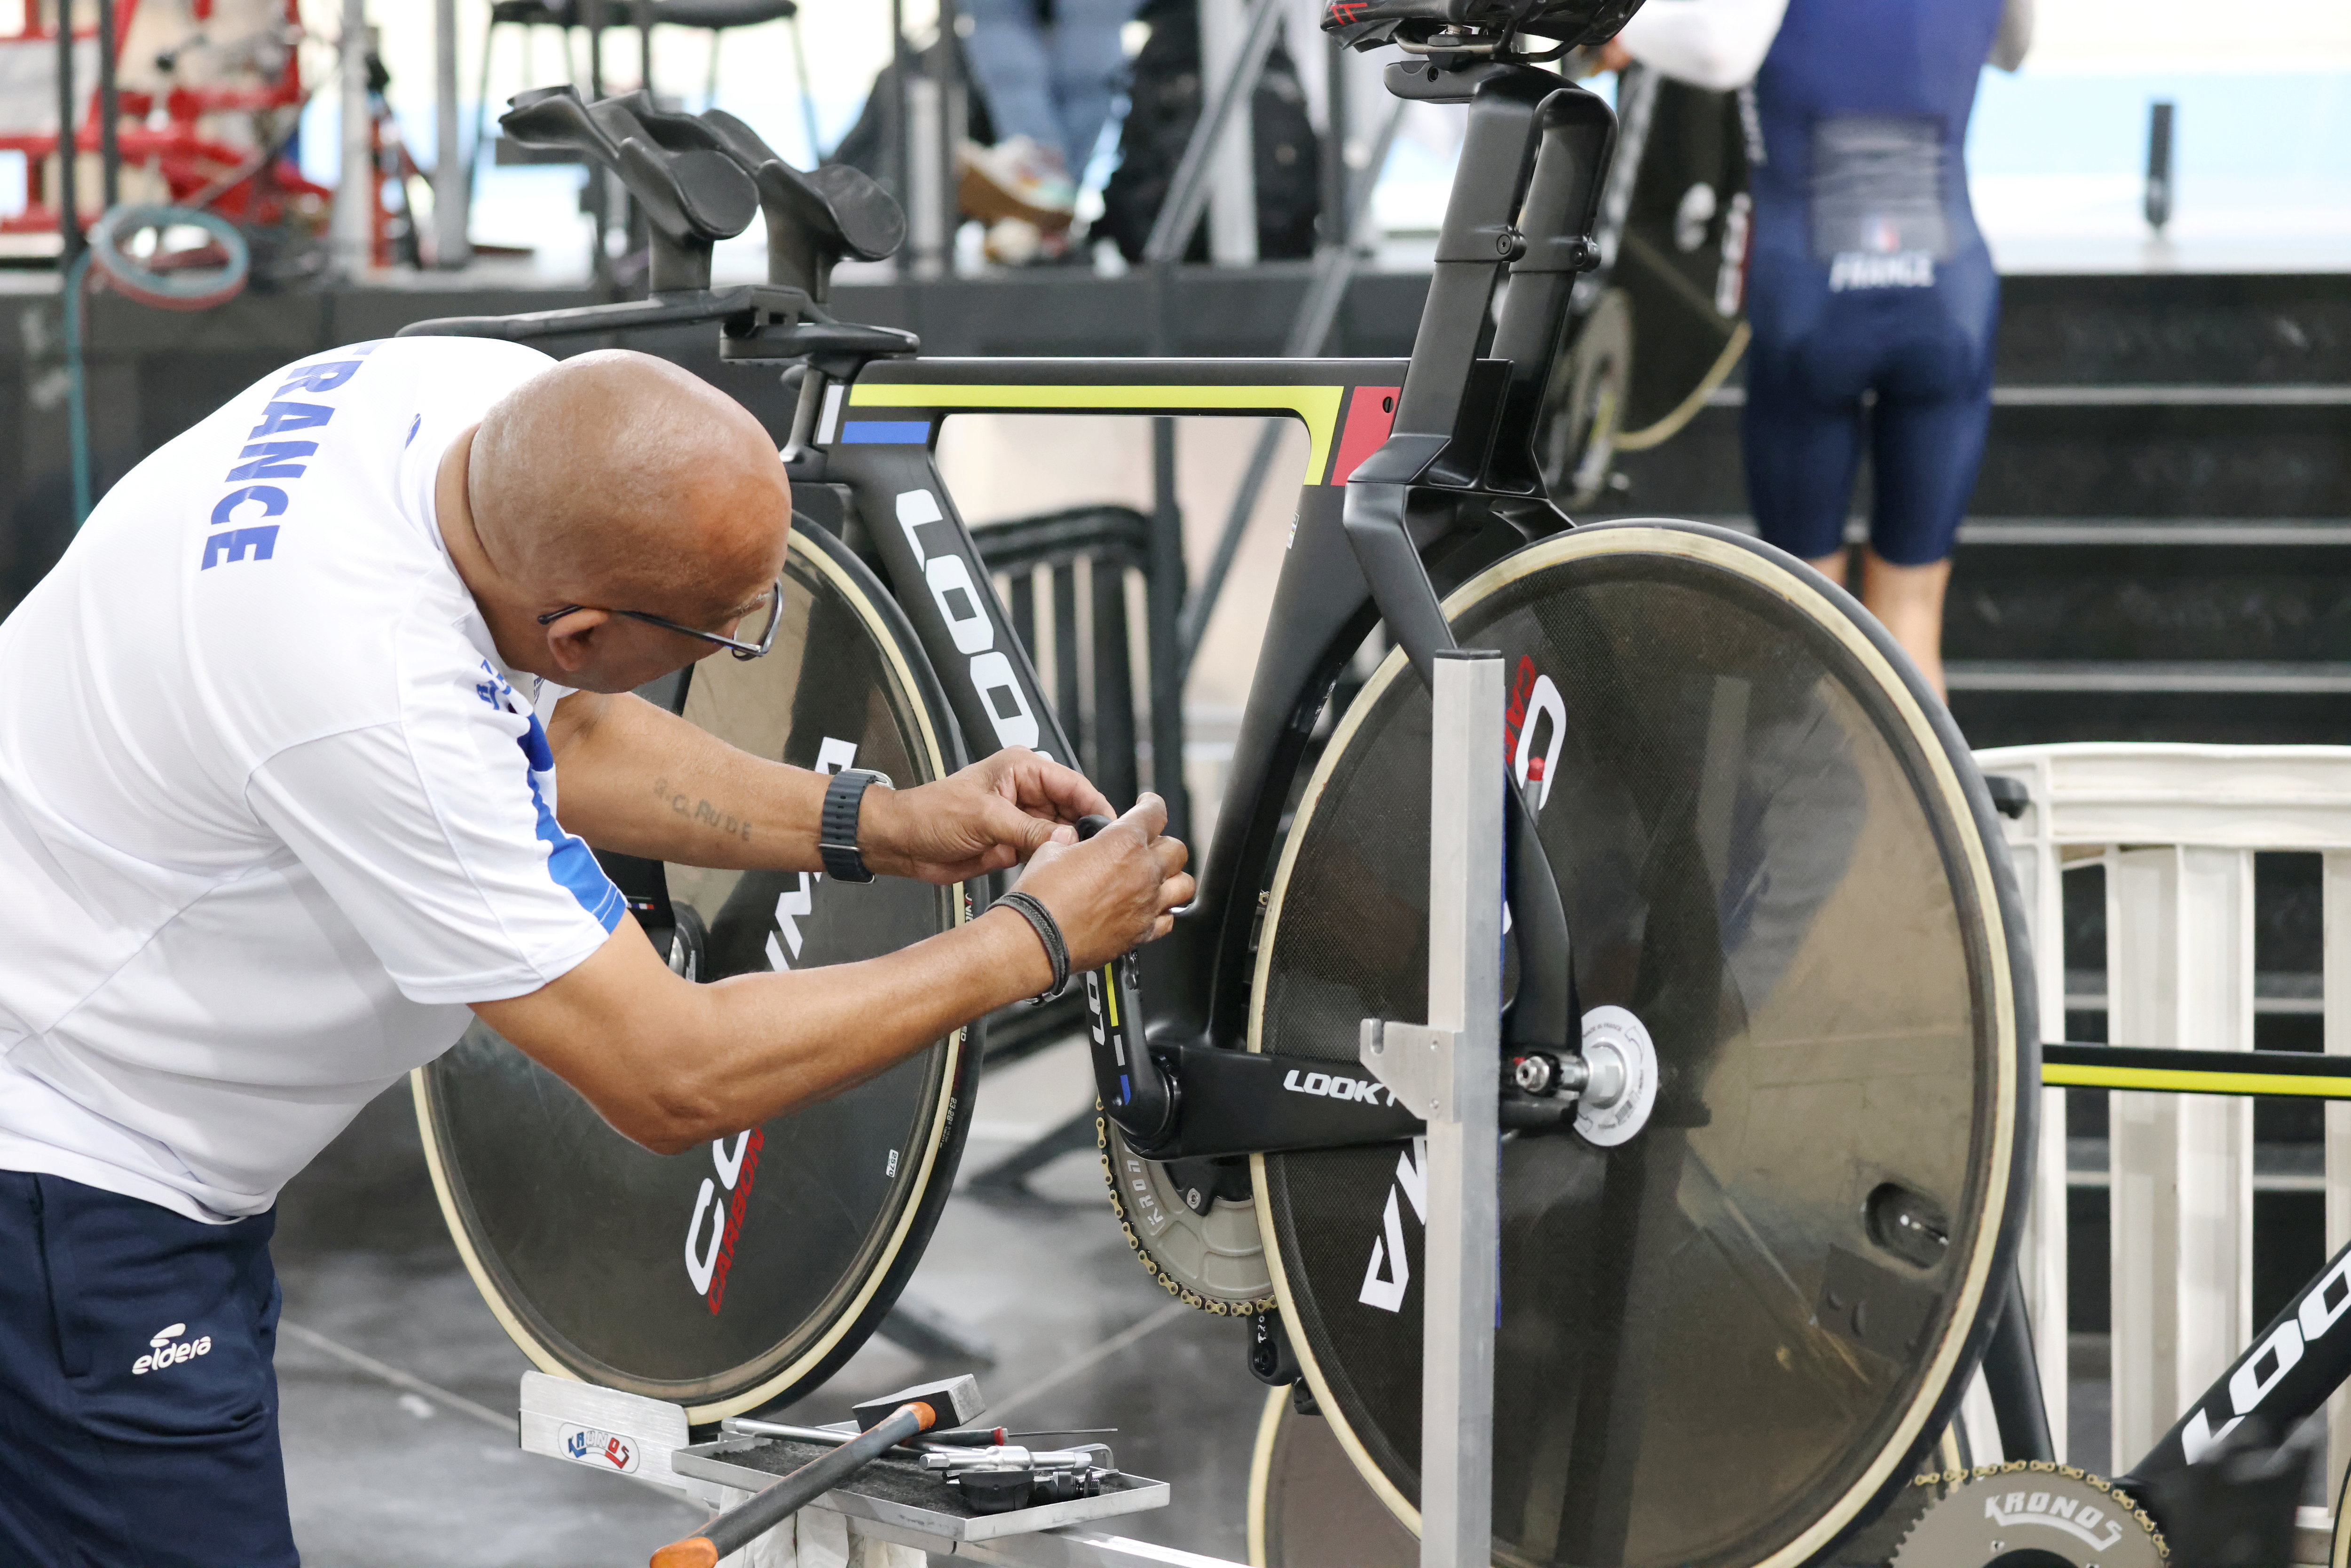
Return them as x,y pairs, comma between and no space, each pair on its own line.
740,1272
1725,1337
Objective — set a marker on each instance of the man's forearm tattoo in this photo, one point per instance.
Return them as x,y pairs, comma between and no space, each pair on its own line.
700,811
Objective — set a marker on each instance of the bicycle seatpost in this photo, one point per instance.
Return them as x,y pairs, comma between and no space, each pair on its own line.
1440,441
1557,221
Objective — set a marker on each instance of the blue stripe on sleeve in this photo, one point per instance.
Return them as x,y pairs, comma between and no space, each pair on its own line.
573,866
570,862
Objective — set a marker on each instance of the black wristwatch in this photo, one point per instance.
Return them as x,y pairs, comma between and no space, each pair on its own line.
836,838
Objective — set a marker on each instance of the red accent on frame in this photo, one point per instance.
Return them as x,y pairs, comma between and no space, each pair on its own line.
1371,412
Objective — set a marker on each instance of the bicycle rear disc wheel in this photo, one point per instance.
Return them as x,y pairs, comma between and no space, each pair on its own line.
1308,1508
741,1272
1724,1340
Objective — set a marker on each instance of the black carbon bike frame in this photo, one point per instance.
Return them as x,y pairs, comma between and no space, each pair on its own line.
1421,466
1427,464
1419,471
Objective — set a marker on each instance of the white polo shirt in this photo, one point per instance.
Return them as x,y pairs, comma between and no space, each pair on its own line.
271,810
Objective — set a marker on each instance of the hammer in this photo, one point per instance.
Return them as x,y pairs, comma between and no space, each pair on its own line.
884,1423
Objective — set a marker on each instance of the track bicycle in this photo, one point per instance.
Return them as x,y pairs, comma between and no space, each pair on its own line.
1306,1507
1766,1118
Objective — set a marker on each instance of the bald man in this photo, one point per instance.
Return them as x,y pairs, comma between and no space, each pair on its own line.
280,741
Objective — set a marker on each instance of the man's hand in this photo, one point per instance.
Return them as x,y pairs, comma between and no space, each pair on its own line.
992,814
670,1063
1117,890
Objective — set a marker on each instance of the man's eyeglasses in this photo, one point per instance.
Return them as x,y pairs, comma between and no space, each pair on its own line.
734,645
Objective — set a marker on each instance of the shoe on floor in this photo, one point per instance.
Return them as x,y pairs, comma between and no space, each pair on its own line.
1016,179
1017,242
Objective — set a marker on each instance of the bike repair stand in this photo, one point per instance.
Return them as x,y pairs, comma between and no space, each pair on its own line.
1447,1070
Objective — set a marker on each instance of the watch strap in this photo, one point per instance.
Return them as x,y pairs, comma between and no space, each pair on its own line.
836,841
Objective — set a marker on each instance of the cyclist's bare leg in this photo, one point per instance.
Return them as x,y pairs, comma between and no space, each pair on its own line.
1909,599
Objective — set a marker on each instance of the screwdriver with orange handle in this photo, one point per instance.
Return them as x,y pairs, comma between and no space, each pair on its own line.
906,1414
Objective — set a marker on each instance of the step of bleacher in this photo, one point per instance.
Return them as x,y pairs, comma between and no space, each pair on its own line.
2213,629
2186,328
2145,450
2071,589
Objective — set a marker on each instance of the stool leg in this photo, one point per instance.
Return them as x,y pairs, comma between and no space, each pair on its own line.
807,98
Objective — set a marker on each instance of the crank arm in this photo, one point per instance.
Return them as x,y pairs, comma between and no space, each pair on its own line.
1243,1103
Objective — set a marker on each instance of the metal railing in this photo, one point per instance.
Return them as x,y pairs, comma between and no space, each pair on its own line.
2175,829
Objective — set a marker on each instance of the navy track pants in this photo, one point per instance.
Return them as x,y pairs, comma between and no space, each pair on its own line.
138,1394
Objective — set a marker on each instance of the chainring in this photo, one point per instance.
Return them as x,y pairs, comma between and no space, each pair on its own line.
2025,1515
1215,1261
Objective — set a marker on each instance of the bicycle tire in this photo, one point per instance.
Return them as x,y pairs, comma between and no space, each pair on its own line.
1575,440
1308,1508
1778,854
598,1256
2338,1546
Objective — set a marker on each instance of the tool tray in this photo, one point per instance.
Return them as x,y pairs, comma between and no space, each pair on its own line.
898,1491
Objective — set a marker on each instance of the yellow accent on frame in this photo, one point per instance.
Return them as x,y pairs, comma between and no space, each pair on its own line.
1318,406
2161,1079
1110,989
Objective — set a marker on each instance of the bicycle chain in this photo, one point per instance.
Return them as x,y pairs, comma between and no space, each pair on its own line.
1150,1265
1899,1526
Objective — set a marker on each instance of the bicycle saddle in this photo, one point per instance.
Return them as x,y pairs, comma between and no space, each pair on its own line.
692,193
1363,24
813,219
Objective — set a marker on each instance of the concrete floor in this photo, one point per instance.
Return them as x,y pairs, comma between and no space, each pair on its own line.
390,1476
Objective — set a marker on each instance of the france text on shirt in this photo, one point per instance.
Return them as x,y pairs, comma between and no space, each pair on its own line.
265,459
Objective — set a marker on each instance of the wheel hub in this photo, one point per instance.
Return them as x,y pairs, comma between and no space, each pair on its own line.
1622,1089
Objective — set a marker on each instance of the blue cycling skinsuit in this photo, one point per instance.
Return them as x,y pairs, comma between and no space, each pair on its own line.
1868,276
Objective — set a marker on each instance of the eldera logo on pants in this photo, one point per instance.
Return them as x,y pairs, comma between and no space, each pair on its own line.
170,1350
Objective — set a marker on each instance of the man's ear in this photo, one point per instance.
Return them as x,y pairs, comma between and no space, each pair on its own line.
571,641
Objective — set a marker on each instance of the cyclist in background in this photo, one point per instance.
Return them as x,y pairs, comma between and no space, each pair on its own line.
1052,71
1867,278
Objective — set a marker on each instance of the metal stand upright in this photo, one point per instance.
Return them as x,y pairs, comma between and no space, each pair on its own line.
1450,1071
